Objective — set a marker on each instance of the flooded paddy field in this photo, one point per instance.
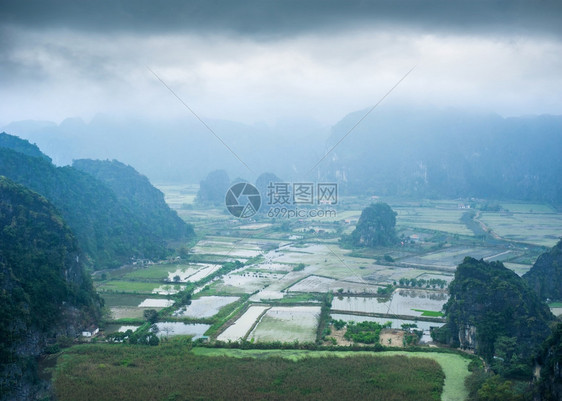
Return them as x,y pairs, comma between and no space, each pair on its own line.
192,272
231,247
170,329
287,267
287,324
445,218
518,268
450,258
168,289
325,284
243,325
205,307
178,196
534,227
156,303
403,302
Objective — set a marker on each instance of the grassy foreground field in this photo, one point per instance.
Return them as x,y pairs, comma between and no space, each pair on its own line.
173,372
454,366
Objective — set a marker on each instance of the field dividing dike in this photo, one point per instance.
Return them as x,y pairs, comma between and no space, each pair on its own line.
233,317
296,282
387,315
255,324
428,267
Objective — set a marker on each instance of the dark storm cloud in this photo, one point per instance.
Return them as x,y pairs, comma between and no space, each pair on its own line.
281,18
264,60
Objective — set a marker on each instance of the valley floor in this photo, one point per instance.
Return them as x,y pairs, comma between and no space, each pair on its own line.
294,277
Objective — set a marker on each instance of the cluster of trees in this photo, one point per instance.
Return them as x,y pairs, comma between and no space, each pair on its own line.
299,267
44,290
139,337
386,290
111,225
365,332
431,283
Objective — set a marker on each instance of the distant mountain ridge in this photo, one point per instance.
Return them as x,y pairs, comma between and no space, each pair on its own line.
182,150
108,230
407,152
430,153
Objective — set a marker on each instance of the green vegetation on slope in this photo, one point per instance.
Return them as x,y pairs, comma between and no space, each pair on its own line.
545,277
376,227
44,291
21,146
549,387
494,312
137,193
108,232
123,372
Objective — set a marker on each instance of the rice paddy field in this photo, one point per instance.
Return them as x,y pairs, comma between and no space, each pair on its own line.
287,324
403,303
241,328
277,292
135,287
538,228
450,258
445,218
178,196
205,307
324,284
228,247
172,329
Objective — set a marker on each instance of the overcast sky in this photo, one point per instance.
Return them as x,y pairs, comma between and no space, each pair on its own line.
271,60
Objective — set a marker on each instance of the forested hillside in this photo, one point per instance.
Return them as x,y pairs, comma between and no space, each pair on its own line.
549,387
137,193
108,230
44,291
21,146
492,311
545,277
376,226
